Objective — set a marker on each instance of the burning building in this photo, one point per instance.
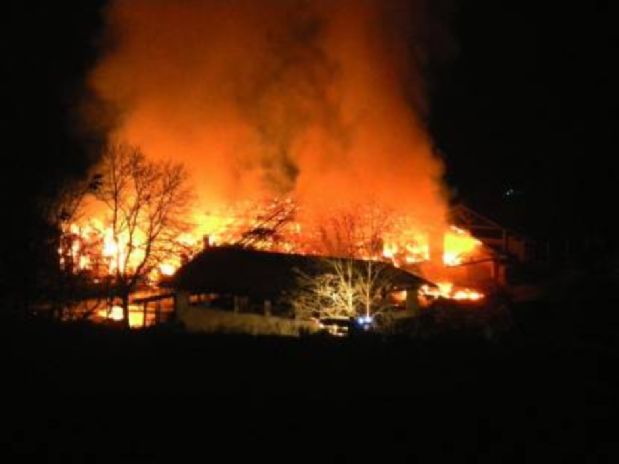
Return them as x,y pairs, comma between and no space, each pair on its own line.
236,289
301,123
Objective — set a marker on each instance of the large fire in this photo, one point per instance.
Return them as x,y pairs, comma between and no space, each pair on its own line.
274,226
319,105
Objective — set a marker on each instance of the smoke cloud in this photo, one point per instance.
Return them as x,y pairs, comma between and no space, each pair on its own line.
322,100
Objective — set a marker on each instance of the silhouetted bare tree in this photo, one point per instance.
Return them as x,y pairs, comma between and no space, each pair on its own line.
355,232
269,224
351,283
65,282
342,288
147,204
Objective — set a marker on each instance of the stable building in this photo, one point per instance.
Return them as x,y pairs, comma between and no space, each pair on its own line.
242,290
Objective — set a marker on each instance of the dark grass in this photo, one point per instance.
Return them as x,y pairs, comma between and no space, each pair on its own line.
85,393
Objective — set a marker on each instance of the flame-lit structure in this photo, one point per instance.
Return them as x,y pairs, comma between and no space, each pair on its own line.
302,127
273,226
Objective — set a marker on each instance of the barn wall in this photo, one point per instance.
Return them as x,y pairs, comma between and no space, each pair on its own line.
210,320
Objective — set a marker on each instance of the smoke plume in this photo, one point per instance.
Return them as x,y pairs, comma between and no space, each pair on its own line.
321,100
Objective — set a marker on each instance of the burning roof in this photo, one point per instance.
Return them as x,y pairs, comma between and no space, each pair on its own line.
241,271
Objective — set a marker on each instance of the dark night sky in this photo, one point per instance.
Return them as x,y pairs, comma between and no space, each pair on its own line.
527,102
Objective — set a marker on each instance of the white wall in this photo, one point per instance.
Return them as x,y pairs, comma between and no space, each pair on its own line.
209,320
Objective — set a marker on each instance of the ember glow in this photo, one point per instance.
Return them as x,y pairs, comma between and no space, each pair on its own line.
273,226
449,291
115,313
90,247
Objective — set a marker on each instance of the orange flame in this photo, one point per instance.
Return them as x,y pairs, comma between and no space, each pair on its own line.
449,291
458,245
402,245
115,313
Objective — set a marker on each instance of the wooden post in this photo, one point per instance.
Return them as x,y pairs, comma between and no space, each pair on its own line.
181,301
267,307
158,312
499,272
412,303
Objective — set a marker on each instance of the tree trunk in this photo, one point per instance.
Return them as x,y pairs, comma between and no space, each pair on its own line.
125,305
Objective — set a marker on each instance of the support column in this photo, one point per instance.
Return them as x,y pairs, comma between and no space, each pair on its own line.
181,303
412,301
499,272
268,306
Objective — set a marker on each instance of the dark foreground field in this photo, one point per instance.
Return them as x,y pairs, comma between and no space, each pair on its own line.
79,393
